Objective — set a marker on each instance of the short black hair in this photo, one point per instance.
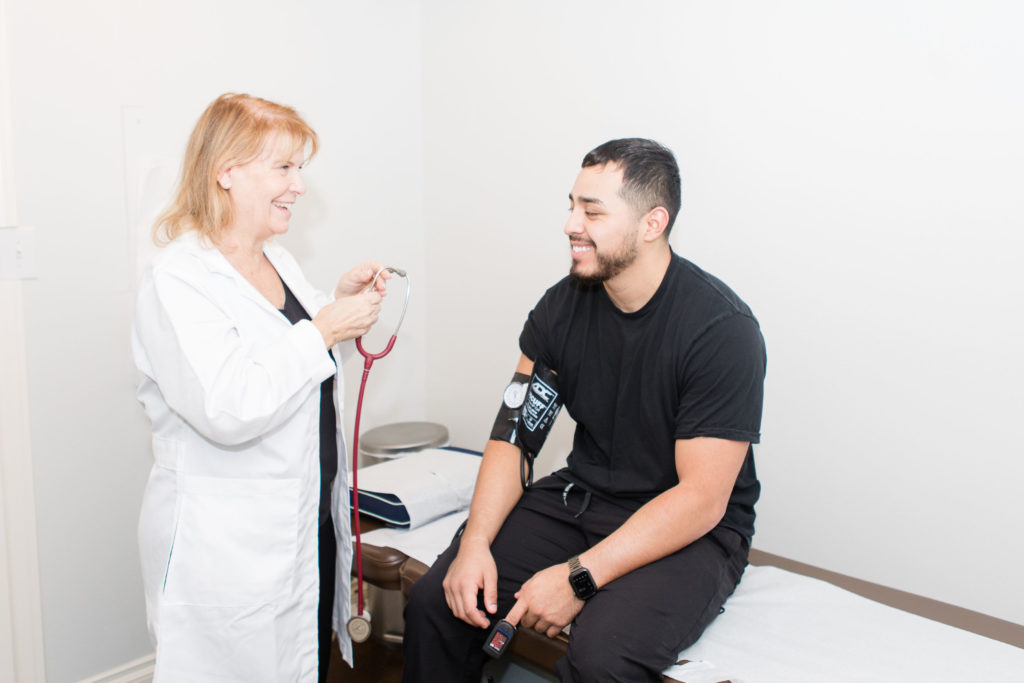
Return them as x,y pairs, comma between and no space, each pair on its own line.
650,175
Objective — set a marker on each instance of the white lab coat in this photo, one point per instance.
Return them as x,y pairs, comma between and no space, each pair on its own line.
229,520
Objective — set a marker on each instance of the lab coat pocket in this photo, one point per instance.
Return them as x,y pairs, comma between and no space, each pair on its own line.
203,644
235,541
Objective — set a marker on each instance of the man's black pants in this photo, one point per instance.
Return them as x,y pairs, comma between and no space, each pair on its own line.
630,631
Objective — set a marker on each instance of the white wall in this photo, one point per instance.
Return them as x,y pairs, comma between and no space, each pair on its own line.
852,169
101,91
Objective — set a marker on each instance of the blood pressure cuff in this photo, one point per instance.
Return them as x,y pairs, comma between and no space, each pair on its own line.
539,410
528,409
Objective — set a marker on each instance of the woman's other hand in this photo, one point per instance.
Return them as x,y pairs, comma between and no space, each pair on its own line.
360,277
348,317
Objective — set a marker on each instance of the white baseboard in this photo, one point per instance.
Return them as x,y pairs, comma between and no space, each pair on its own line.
139,671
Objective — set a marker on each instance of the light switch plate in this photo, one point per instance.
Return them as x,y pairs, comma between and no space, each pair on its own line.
17,253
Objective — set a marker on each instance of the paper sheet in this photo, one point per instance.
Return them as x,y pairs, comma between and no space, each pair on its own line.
424,543
782,627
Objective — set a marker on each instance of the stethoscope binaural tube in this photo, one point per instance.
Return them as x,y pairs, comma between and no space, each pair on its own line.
359,625
370,357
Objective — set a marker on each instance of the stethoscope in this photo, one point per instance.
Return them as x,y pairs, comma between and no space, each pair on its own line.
359,625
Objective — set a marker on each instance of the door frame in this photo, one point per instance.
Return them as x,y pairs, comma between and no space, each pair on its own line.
21,618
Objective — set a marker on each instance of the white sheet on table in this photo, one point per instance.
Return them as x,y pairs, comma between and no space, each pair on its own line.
781,627
430,483
700,672
424,543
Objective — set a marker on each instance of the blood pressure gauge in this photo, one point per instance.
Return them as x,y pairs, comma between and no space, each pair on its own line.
515,394
359,627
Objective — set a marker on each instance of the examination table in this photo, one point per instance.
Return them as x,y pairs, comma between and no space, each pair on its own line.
786,623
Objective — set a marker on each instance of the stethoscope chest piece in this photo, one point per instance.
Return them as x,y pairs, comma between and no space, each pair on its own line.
359,627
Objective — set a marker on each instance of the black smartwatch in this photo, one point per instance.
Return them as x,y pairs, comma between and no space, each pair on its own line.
580,579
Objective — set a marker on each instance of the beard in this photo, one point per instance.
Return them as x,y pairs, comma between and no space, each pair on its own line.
608,265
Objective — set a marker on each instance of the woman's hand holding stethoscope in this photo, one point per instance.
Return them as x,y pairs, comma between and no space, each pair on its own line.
359,625
363,278
356,305
347,318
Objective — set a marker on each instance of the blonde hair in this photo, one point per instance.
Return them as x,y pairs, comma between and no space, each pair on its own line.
231,132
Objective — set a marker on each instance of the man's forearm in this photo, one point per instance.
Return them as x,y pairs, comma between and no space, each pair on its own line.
707,469
665,524
496,492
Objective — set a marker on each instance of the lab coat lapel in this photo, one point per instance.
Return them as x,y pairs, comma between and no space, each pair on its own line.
296,282
216,262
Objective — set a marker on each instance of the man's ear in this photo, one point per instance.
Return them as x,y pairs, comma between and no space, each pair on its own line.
655,223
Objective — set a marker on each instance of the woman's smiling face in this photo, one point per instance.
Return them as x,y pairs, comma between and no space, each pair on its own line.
264,190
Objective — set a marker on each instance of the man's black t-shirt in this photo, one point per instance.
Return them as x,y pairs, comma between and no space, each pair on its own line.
690,363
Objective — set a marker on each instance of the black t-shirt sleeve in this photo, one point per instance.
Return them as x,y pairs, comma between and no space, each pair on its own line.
722,388
533,340
528,342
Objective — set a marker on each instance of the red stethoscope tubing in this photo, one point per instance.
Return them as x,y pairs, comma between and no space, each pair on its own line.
367,364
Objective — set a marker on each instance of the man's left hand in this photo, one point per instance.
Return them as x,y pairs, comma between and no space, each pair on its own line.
546,602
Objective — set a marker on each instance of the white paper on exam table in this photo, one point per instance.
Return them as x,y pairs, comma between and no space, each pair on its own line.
423,543
781,627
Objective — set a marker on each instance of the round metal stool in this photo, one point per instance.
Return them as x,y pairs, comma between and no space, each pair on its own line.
401,438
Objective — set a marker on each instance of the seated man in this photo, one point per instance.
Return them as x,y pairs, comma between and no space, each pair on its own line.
642,537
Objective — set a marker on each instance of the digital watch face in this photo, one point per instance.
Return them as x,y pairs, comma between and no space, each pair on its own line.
499,638
582,584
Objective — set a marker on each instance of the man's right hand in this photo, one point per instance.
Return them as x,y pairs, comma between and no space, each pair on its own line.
472,570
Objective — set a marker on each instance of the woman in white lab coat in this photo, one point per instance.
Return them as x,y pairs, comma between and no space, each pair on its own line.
241,534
